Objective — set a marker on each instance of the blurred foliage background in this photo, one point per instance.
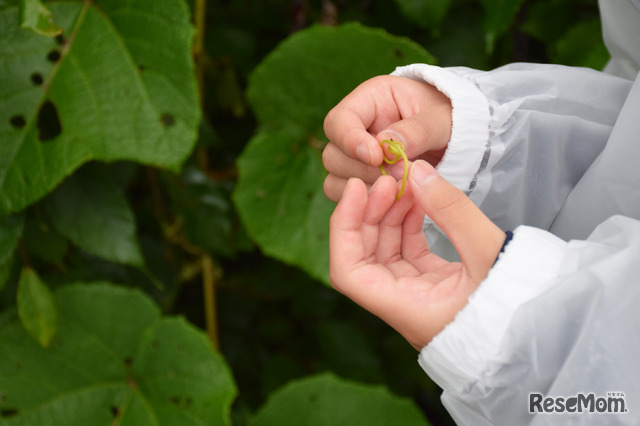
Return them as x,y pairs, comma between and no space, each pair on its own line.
194,232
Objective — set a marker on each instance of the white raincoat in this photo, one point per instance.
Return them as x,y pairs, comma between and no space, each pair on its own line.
553,153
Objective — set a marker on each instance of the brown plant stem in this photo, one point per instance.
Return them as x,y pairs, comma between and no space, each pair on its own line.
209,293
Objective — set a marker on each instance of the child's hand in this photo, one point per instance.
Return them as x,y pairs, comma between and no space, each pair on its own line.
384,107
381,260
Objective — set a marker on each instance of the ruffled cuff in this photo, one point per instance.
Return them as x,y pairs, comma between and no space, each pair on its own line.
460,355
467,150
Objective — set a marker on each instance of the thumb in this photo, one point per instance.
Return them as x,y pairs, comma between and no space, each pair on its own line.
476,238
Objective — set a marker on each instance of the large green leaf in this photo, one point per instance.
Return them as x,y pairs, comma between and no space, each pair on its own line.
279,194
114,360
327,400
117,84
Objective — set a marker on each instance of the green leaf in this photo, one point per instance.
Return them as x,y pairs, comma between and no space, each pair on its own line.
114,360
459,39
117,84
10,232
427,14
91,211
547,20
582,46
279,194
499,14
37,18
36,307
328,400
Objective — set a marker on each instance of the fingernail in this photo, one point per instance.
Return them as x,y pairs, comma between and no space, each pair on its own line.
365,154
422,172
394,136
375,186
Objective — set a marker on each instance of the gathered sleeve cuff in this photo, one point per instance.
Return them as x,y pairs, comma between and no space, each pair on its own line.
469,347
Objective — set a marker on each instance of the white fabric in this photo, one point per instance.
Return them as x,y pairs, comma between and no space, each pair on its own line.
622,36
560,158
528,266
578,332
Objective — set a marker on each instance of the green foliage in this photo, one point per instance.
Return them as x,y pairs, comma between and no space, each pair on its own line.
582,46
119,166
114,360
427,14
10,232
499,16
328,400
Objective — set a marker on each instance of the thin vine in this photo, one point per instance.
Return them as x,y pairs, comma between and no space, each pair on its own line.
396,148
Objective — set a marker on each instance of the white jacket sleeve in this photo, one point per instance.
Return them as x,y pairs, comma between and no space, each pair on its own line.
523,135
557,321
553,320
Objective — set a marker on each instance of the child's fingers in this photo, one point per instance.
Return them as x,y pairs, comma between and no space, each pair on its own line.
341,165
475,237
346,126
381,198
390,228
346,248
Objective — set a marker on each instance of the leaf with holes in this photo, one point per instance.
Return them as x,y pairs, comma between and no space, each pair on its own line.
116,84
279,193
36,17
328,400
114,360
